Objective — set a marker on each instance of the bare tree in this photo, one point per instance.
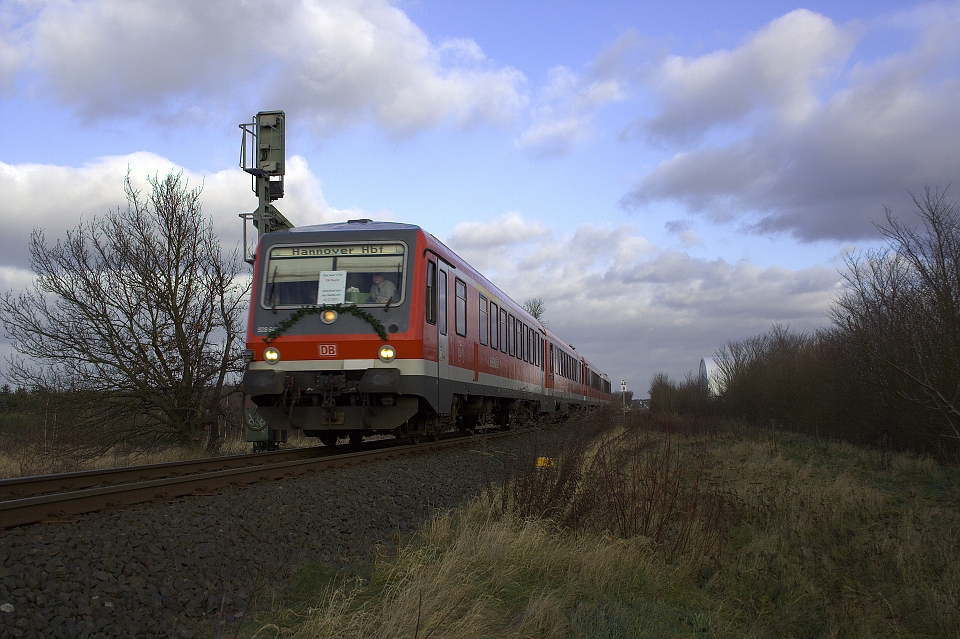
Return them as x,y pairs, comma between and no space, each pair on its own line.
536,308
135,317
901,309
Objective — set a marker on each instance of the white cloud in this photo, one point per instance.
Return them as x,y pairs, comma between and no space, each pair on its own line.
14,278
501,234
9,65
777,69
635,309
337,63
11,57
57,198
567,106
784,159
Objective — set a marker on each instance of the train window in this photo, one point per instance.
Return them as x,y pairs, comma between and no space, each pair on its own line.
357,273
461,308
550,359
513,336
431,292
519,339
503,331
527,346
518,329
483,320
442,299
494,327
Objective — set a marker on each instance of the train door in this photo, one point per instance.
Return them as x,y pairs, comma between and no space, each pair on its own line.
583,379
540,360
444,388
551,382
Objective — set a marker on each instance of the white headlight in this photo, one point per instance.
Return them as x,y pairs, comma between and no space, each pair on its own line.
328,316
387,353
271,355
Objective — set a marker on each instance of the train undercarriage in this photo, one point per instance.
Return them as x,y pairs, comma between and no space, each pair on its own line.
355,404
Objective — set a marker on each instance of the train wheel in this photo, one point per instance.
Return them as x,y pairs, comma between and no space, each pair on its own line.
356,438
328,438
507,418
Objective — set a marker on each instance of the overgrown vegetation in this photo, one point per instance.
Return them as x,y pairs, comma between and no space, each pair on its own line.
885,373
39,434
689,397
669,527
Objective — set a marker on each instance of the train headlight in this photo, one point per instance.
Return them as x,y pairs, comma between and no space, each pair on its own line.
271,355
387,353
328,316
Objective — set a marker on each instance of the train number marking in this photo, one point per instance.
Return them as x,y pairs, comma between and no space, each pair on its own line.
327,350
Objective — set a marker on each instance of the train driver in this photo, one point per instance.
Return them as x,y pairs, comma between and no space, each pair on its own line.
382,290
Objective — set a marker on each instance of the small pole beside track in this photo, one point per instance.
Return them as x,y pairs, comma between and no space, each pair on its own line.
623,397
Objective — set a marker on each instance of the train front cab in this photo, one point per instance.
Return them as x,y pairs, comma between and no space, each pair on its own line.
324,356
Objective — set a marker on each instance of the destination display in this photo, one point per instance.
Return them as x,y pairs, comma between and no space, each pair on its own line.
343,250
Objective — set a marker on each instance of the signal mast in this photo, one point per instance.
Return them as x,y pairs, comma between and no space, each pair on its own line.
262,155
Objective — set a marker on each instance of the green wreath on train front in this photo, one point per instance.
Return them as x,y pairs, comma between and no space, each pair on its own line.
303,311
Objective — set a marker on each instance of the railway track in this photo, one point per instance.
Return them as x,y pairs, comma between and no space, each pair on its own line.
30,500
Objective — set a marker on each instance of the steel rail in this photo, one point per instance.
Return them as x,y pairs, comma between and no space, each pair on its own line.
20,487
29,510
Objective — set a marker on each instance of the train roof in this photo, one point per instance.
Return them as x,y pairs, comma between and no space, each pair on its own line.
355,225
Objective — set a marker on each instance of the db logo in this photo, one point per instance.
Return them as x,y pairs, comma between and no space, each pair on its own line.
327,350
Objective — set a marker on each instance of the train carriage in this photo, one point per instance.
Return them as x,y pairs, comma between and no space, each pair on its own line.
365,327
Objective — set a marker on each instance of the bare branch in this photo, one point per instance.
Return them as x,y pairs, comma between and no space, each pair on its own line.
139,312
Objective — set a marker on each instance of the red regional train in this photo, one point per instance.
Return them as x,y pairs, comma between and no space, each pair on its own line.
364,328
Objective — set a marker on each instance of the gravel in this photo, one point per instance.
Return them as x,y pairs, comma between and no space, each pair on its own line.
166,569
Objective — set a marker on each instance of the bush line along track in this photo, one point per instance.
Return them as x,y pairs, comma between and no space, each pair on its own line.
28,500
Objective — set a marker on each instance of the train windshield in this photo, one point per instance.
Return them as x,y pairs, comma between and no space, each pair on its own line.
368,274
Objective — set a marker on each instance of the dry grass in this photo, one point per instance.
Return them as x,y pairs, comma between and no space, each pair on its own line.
26,452
794,538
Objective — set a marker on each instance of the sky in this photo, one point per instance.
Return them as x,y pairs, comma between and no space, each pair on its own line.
667,177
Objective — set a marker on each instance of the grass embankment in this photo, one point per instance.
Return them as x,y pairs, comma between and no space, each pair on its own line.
28,449
645,530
